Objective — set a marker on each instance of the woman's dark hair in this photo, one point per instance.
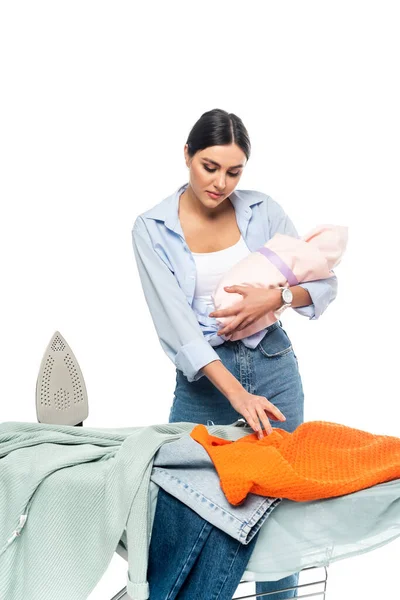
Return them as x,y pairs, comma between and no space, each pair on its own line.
215,128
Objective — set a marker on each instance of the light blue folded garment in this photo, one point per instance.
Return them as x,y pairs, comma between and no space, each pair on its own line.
184,469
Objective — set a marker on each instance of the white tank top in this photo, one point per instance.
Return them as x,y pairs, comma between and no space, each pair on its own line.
211,266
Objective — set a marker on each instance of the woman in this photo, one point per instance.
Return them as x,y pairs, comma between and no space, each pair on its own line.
183,246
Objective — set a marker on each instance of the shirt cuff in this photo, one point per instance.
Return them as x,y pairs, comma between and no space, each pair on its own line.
138,591
193,356
322,292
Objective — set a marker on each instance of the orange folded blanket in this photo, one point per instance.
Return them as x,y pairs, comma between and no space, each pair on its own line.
317,460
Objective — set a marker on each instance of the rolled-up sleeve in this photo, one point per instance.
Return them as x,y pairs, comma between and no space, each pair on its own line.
322,291
176,324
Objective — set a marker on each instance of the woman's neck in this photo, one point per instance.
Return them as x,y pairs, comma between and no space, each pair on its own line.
191,205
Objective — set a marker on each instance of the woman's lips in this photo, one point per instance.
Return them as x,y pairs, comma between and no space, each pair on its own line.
214,196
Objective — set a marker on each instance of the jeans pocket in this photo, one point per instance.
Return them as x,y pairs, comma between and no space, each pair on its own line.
275,343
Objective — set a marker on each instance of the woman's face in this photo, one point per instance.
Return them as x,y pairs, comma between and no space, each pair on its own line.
215,169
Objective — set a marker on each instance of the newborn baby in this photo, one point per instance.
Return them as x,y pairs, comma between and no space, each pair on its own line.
283,261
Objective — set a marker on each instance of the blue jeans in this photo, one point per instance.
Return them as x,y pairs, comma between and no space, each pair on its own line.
189,558
270,370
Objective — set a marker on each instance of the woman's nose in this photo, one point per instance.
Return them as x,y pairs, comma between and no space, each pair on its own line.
220,183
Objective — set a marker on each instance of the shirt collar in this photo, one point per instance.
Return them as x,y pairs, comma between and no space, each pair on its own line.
167,210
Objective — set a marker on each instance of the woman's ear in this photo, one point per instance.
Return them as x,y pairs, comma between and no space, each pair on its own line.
185,152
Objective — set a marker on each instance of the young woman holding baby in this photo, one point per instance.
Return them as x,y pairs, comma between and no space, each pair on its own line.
183,246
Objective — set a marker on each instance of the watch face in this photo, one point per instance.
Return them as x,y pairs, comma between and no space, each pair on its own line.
287,295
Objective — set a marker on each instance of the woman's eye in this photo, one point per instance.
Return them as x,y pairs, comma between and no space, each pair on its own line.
213,171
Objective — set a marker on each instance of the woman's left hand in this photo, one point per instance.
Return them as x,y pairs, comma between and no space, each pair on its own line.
256,303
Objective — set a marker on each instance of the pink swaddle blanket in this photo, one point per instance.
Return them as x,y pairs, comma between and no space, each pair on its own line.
283,261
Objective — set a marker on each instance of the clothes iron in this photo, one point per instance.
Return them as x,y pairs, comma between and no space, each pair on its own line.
61,396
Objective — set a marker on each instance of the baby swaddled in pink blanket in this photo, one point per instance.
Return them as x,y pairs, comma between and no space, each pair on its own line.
284,261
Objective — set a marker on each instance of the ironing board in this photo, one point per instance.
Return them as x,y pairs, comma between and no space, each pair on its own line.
61,398
323,536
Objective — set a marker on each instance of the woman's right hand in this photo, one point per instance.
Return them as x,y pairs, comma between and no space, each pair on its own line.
254,409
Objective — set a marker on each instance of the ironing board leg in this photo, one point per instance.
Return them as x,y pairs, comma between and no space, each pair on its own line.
121,595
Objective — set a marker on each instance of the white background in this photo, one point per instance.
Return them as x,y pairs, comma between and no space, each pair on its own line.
97,100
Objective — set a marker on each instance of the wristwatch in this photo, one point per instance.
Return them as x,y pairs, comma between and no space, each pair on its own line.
287,298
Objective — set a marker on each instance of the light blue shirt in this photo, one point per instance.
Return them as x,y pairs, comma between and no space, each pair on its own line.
168,275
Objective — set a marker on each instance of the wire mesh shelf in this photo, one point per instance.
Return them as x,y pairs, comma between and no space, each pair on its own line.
300,588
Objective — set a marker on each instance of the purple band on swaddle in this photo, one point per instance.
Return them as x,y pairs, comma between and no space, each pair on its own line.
279,264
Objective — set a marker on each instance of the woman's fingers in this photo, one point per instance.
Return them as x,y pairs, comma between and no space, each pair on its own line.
227,329
255,409
252,420
259,414
244,324
274,410
253,416
264,419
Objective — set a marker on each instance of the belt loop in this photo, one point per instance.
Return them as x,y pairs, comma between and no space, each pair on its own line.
280,322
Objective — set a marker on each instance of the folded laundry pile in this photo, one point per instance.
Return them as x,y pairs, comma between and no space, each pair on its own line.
71,492
318,459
